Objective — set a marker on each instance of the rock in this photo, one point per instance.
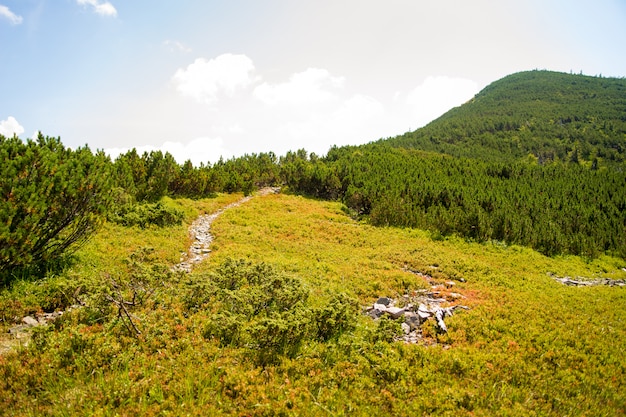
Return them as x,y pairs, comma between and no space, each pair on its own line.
380,307
423,315
374,313
413,320
439,316
384,301
395,312
30,321
16,331
406,328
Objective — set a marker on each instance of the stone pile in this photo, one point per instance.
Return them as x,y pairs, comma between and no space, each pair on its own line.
414,311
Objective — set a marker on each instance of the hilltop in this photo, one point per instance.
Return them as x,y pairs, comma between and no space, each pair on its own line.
549,115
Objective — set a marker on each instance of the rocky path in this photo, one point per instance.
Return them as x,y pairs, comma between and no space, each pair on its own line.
587,282
200,231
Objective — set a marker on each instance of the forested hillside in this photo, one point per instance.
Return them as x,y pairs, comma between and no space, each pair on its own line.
554,208
550,115
536,158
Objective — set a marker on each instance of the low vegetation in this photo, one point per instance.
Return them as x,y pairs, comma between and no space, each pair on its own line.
529,345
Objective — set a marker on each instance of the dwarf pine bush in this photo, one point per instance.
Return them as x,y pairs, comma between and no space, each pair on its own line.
51,199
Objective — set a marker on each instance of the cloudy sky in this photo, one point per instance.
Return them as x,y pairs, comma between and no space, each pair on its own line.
205,78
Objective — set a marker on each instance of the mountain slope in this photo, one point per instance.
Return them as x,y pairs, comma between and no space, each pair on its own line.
528,345
553,116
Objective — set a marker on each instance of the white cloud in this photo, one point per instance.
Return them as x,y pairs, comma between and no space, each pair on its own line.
8,14
313,86
346,121
229,129
205,80
10,127
103,8
176,46
438,95
359,109
201,150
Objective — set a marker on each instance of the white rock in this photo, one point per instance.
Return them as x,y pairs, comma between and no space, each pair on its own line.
30,321
395,312
380,307
423,314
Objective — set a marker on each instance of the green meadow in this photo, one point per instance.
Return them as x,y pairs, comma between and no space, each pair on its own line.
191,344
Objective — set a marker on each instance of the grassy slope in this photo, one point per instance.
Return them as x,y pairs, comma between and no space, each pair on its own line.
528,346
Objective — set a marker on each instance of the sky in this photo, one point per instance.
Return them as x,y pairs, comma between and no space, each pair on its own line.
204,79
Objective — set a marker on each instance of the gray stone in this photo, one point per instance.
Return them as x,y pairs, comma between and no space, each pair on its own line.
374,313
384,301
406,328
412,319
30,321
395,312
423,315
439,316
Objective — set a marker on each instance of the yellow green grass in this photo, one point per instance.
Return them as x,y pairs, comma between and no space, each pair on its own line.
528,346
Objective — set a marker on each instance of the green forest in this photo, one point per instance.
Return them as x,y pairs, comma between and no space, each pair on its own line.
526,178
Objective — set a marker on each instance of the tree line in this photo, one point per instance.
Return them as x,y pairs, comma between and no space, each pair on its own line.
535,159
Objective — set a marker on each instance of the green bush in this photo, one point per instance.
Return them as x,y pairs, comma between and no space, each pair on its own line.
144,215
260,309
52,199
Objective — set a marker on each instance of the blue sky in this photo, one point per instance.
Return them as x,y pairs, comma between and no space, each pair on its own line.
204,79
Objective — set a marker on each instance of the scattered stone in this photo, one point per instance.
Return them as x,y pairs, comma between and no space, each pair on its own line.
586,282
416,310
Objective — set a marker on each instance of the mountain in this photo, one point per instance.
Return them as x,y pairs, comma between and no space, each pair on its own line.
550,115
